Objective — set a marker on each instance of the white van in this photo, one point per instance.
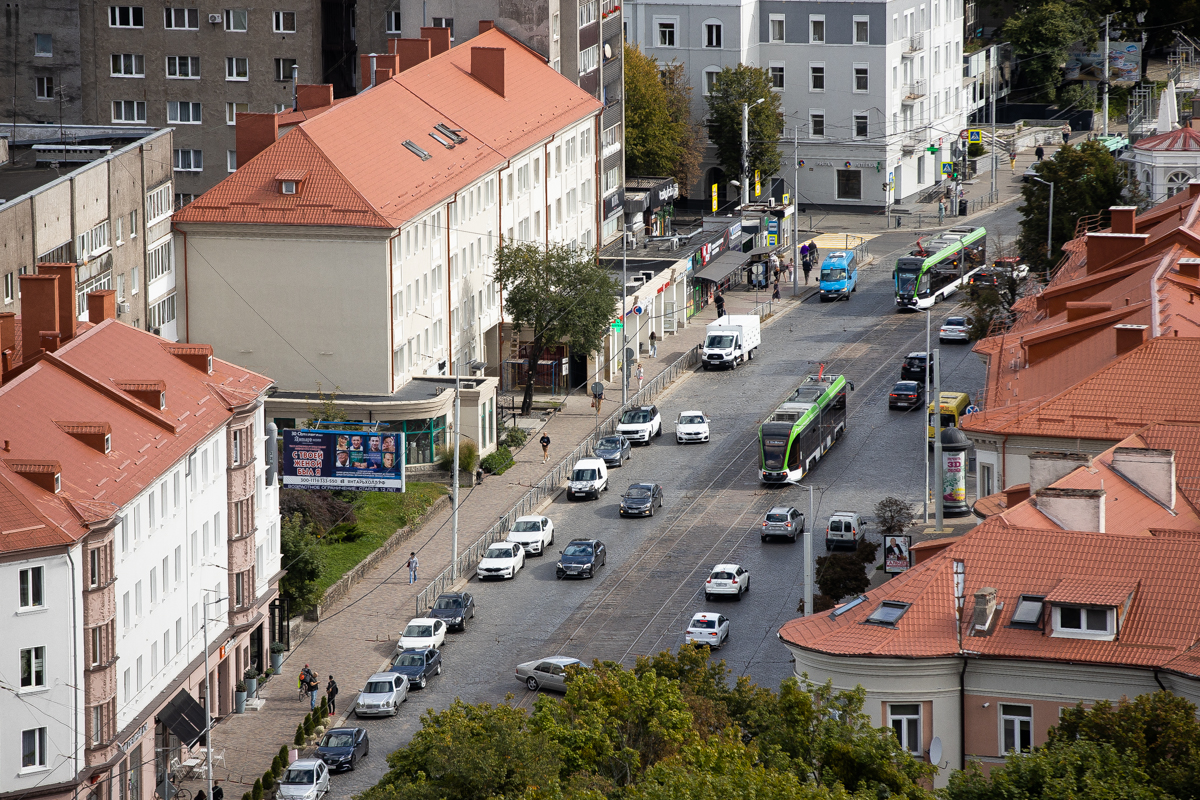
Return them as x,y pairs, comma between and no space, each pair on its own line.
588,479
843,530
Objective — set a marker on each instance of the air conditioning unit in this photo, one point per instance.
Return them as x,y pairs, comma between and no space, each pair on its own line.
215,19
122,308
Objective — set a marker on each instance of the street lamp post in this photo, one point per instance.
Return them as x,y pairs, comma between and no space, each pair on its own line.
746,149
808,554
1049,223
795,209
454,481
925,420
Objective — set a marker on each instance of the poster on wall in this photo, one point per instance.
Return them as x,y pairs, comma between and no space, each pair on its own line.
1124,63
895,554
356,460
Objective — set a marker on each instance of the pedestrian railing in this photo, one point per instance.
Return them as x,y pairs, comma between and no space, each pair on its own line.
550,483
980,203
764,309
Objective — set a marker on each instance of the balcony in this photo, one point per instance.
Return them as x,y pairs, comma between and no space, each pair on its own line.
914,91
912,140
914,44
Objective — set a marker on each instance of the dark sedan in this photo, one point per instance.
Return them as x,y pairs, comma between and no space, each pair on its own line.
913,367
454,608
580,559
418,665
343,748
640,499
614,450
906,394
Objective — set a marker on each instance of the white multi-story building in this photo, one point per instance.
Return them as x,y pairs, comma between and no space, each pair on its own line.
867,87
140,520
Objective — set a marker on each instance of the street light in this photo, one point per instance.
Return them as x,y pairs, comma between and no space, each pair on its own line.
808,553
1049,222
746,149
925,418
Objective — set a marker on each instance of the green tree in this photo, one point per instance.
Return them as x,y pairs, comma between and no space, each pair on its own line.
724,769
733,87
695,139
554,294
301,555
893,516
655,137
1041,32
1087,180
842,574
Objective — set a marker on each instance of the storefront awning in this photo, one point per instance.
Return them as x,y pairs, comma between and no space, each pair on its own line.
725,264
184,717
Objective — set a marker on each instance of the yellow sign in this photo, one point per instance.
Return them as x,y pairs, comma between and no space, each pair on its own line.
772,239
757,184
714,196
975,137
787,198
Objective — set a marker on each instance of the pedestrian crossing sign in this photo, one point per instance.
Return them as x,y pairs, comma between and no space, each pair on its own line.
975,137
947,167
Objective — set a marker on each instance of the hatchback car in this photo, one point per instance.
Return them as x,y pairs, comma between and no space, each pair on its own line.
343,748
914,366
382,695
580,559
640,424
782,521
613,450
955,329
502,560
422,632
692,426
906,394
304,779
454,608
547,673
640,499
706,628
417,665
534,534
727,579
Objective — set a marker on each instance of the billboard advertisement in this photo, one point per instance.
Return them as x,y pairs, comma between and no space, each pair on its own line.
356,460
1124,63
954,476
895,554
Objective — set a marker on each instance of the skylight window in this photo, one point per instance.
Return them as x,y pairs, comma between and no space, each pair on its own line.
446,143
418,152
453,134
1029,610
842,609
888,613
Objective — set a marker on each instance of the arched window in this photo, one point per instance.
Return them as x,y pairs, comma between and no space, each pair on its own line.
1177,182
713,35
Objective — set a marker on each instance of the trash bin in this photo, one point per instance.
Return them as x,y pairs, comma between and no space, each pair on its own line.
962,207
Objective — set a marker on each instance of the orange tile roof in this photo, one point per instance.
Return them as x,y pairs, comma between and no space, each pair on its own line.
359,174
1090,591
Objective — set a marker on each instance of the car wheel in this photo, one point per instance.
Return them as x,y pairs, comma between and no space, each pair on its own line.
652,509
738,596
463,625
707,596
421,682
531,683
747,589
439,670
763,538
352,763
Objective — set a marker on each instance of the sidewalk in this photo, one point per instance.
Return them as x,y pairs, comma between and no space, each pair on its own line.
352,646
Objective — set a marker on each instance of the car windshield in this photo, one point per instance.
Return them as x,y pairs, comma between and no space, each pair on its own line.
523,525
584,475
299,776
638,491
448,602
723,576
419,631
719,342
691,419
410,660
777,517
956,322
578,550
704,623
838,274
338,740
499,552
608,443
635,417
379,687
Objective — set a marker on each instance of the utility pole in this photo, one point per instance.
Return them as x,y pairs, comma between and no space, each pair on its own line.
623,361
745,156
454,483
808,555
795,209
995,52
1104,73
926,421
937,438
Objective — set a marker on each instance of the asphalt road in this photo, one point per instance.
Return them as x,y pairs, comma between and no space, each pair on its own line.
652,584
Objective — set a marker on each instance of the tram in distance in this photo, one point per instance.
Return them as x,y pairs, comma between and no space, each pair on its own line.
803,428
926,276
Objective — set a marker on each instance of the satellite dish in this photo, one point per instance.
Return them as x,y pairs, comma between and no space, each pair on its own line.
607,50
935,751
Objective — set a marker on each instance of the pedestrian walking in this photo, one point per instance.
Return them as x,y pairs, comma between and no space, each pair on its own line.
545,442
720,301
941,210
1066,132
653,345
807,269
412,568
1040,152
331,693
1012,161
804,250
640,375
775,294
218,792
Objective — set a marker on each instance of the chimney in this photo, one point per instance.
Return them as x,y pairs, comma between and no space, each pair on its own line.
39,311
1193,189
50,340
253,134
1122,219
1073,509
985,610
1045,468
1015,495
486,25
295,85
310,96
66,297
1190,268
1104,248
1152,471
487,65
1129,337
1078,309
440,38
410,52
102,305
386,66
8,330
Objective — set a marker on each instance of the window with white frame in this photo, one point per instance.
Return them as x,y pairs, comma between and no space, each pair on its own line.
128,65
712,34
237,69
283,68
666,30
237,20
33,749
125,17
187,19
816,28
93,241
189,160
710,79
612,180
589,59
393,22
43,87
285,22
1016,728
1084,622
860,125
862,30
183,113
158,206
186,67
777,74
777,27
861,76
10,284
905,721
816,76
587,12
162,312
31,589
159,260
233,109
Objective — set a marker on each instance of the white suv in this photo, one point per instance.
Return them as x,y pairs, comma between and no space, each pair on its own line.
640,424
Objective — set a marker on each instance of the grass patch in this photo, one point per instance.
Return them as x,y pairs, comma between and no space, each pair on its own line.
380,514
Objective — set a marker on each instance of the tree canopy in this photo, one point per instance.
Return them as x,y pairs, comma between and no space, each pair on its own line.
733,87
660,137
1042,32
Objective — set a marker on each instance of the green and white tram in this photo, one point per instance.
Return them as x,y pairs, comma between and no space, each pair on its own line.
803,428
923,279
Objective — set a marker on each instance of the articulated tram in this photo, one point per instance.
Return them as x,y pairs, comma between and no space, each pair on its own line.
803,428
926,276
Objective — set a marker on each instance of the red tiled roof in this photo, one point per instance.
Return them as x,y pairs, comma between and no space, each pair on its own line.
1090,591
1182,139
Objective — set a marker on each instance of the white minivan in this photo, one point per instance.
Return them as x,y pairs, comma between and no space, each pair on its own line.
588,479
844,530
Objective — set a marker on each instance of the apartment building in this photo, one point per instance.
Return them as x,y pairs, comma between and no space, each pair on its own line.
40,77
871,91
141,521
354,251
111,217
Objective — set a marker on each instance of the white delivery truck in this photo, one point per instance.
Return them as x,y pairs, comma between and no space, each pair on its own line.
731,340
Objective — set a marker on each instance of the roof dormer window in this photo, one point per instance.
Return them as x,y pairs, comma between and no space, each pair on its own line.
107,443
290,181
1084,622
287,187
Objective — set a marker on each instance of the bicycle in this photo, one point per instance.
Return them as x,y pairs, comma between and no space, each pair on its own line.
173,791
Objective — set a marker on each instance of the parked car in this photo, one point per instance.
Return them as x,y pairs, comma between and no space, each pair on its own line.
782,521
422,632
706,628
502,560
906,394
692,426
534,534
304,779
382,695
640,499
580,559
453,608
641,424
343,748
914,366
955,329
547,673
727,579
588,479
417,665
844,530
614,451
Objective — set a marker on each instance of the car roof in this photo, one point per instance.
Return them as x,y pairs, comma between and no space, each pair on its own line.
301,763
584,541
344,730
589,462
906,383
416,650
725,567
917,354
643,485
532,517
704,615
456,595
382,676
693,411
560,660
430,620
781,509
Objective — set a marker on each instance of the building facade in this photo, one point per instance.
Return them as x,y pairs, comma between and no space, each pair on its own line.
41,79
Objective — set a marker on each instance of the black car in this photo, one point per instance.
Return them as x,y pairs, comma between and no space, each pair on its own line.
454,608
580,559
914,366
640,499
418,665
906,394
343,748
614,450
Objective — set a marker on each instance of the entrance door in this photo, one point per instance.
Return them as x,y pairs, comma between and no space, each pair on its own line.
577,370
668,316
223,688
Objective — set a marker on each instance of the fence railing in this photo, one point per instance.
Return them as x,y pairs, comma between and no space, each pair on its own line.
550,483
980,203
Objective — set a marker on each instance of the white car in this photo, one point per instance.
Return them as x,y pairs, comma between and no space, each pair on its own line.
709,629
727,579
304,779
502,560
382,696
955,329
422,633
692,426
534,534
640,424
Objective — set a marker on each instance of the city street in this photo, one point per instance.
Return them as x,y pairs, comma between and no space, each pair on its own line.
640,602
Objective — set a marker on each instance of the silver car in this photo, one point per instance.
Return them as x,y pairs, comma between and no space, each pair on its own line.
955,329
546,673
304,779
782,521
382,695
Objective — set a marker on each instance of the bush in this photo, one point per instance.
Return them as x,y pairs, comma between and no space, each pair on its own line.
268,780
302,553
246,796
257,791
975,150
514,437
298,739
310,725
321,508
283,758
241,686
277,766
496,463
250,674
468,456
278,647
321,707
